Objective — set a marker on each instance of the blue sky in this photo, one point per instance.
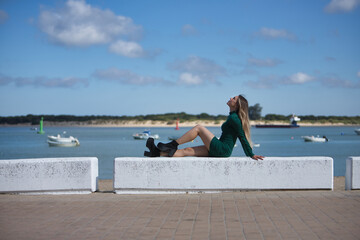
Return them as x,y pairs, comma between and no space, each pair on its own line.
142,57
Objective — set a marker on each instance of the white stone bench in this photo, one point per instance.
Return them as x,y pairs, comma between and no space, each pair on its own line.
352,175
192,174
49,175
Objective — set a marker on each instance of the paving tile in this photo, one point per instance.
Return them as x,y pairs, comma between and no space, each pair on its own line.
232,215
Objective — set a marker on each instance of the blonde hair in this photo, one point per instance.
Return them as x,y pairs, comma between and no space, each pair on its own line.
243,112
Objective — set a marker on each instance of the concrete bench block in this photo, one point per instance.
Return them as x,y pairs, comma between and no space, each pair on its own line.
352,174
49,175
193,174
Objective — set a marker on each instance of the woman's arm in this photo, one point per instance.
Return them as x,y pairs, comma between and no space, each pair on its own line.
236,124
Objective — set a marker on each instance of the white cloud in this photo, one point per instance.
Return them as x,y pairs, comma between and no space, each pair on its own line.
189,79
196,64
332,81
298,78
67,82
263,62
271,33
188,30
358,74
253,63
127,77
205,69
272,81
336,6
337,82
3,16
127,49
249,71
79,24
264,82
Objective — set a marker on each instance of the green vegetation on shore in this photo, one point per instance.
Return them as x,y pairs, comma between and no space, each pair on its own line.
353,120
167,117
170,118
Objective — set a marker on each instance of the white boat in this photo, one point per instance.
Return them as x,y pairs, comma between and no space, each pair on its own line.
315,139
145,135
58,141
293,124
357,131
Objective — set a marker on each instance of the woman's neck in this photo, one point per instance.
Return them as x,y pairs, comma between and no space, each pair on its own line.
232,109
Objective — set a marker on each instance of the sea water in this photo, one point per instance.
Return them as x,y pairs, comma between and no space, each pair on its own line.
108,143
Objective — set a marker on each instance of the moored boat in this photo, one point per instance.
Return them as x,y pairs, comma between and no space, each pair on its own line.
293,124
276,126
58,141
357,131
145,135
315,139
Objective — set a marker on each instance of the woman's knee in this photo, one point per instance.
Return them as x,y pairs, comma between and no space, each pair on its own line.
199,127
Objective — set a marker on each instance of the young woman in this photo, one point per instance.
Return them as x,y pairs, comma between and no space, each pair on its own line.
236,126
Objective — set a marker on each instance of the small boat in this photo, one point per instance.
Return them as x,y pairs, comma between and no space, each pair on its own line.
293,124
58,141
145,135
315,139
357,131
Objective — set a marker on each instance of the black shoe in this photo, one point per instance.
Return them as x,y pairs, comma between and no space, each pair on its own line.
170,147
147,154
154,151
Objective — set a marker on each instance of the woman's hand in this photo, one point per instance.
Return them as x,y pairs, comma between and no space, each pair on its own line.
257,157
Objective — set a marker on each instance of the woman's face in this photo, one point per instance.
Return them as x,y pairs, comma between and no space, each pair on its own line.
232,103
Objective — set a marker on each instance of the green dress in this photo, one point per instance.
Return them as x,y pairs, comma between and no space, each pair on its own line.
231,130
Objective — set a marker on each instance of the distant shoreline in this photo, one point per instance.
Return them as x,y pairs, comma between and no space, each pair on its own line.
148,124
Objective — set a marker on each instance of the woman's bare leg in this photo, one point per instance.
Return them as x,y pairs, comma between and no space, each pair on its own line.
205,135
199,151
170,149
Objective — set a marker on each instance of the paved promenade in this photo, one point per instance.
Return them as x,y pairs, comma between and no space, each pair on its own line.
236,215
